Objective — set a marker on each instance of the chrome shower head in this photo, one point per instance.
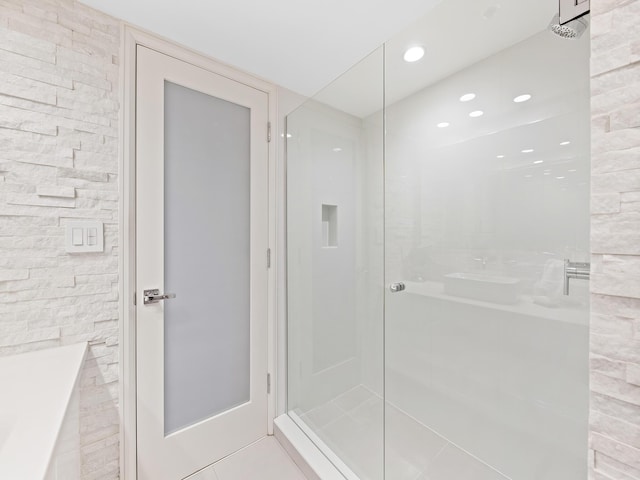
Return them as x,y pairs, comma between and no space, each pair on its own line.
572,30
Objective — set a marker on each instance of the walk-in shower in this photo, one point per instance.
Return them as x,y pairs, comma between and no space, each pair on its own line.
435,212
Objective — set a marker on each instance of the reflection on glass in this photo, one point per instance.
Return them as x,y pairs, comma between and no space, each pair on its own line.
334,224
483,351
486,193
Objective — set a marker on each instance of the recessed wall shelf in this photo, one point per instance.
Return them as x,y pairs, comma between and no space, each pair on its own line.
329,226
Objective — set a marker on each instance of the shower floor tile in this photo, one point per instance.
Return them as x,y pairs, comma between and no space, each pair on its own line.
353,398
323,415
351,425
455,463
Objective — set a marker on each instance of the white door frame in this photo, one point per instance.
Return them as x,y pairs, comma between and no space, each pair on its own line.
131,38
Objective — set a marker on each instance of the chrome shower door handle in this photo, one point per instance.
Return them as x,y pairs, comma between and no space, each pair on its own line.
581,270
154,296
397,287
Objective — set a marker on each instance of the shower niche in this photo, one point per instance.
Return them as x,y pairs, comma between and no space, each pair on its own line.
469,166
329,226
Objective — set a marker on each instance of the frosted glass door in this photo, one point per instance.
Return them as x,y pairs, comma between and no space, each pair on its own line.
206,256
201,234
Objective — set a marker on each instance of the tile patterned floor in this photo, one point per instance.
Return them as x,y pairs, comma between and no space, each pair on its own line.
262,460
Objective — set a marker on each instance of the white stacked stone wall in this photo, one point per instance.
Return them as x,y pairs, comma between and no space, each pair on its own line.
615,286
58,162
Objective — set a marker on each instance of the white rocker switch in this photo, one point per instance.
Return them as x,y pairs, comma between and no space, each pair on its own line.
92,235
76,235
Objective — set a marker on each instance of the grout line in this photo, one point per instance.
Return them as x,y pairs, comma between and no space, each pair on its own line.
235,453
445,445
375,396
449,442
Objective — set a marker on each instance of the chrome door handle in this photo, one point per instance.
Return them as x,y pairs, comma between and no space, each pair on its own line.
580,270
154,296
397,287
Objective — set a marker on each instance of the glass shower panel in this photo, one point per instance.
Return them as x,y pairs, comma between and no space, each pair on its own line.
486,195
335,260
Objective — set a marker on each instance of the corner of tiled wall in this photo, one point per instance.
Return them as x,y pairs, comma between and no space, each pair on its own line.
58,162
614,437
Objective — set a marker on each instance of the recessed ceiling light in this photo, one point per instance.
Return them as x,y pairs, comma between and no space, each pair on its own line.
476,113
546,173
522,98
499,156
565,143
538,161
443,124
527,150
528,176
288,135
559,178
337,149
467,97
413,54
573,170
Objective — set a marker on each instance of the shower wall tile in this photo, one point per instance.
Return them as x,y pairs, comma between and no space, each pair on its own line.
59,111
601,7
615,240
633,374
605,203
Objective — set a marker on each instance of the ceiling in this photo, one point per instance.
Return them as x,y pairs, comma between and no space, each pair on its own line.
455,34
298,44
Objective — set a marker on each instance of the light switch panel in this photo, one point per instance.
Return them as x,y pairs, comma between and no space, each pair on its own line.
84,237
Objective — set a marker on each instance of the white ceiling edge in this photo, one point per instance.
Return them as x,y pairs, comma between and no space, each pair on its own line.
301,45
455,34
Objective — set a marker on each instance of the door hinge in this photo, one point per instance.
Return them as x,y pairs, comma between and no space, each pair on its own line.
268,258
134,298
268,383
268,131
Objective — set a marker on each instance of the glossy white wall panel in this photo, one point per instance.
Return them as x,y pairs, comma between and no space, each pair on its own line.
497,365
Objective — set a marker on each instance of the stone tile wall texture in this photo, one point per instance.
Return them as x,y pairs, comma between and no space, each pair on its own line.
58,162
615,240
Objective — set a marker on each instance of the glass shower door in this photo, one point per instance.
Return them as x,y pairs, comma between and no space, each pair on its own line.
334,270
487,194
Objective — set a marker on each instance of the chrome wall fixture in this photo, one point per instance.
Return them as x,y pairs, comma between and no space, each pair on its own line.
572,9
581,270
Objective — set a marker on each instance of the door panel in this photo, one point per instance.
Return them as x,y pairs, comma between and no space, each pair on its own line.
197,344
201,233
